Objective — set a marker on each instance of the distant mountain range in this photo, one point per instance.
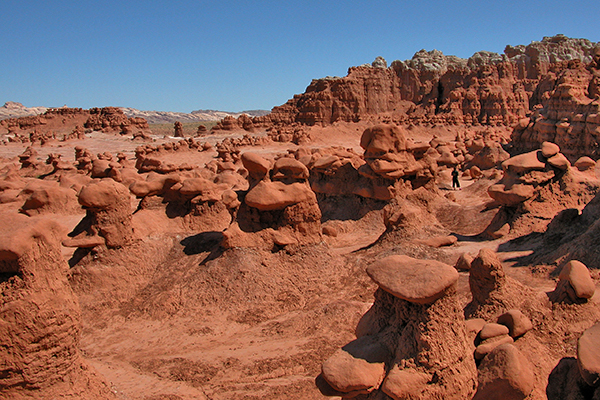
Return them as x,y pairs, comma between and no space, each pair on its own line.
157,117
13,109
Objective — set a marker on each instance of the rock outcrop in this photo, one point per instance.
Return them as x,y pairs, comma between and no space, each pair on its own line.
279,209
411,343
557,75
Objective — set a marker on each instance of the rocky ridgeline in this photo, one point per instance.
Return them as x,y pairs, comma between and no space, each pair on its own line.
52,124
547,91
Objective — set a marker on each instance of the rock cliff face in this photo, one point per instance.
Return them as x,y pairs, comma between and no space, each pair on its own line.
487,88
547,91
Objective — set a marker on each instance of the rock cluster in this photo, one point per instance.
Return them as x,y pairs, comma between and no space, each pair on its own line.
279,208
524,173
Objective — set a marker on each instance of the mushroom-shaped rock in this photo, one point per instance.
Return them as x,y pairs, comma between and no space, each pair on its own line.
358,366
511,195
505,374
516,322
416,281
588,355
102,194
381,139
267,196
108,213
195,186
39,316
256,165
578,276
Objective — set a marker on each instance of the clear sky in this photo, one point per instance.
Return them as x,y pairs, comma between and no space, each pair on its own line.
184,55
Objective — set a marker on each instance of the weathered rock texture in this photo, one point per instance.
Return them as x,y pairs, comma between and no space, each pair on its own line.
39,318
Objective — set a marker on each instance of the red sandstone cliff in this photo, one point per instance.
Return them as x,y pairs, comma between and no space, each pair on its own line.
547,90
487,88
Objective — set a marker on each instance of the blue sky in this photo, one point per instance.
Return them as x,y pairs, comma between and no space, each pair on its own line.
183,55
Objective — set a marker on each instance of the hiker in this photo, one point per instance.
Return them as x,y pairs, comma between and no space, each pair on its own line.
455,182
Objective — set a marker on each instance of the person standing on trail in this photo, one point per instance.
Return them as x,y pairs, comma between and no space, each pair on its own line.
455,182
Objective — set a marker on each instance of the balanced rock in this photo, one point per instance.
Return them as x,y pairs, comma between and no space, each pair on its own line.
523,163
588,355
257,166
549,149
516,322
289,168
488,345
416,281
505,374
491,330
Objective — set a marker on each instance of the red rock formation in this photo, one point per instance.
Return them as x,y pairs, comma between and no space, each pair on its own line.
107,119
558,76
39,318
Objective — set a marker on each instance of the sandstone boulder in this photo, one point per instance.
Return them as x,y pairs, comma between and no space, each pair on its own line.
516,322
549,149
585,164
505,374
588,355
579,278
358,366
491,330
404,383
